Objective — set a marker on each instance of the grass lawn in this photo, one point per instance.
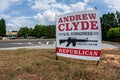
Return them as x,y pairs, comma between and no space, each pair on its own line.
40,64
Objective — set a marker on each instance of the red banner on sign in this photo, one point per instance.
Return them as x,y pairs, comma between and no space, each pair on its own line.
79,52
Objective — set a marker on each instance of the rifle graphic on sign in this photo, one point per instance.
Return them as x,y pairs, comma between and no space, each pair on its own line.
73,40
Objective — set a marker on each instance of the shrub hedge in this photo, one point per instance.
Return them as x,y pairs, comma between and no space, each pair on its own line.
113,34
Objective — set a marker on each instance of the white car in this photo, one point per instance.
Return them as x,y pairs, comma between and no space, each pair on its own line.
4,38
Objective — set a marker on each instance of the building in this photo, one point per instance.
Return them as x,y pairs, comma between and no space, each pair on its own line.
12,34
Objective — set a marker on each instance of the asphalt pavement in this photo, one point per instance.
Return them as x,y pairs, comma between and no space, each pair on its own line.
41,44
19,43
110,46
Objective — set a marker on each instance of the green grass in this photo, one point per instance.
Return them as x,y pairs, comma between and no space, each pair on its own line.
40,64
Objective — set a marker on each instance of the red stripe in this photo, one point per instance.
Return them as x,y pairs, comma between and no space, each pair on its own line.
79,52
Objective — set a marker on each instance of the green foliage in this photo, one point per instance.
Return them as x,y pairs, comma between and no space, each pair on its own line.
113,33
23,32
109,21
51,31
118,18
14,31
30,32
40,30
2,28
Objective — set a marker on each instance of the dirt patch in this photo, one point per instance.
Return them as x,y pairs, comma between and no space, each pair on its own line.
114,60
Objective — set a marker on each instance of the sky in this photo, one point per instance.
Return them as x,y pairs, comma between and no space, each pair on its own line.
21,13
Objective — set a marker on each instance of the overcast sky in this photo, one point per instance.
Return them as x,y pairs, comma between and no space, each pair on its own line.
20,13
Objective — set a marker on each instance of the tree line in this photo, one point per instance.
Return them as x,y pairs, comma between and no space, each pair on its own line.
110,24
2,27
38,31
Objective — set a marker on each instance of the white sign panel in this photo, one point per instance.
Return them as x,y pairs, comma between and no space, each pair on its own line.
78,35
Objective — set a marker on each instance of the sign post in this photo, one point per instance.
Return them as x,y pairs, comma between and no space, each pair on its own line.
78,35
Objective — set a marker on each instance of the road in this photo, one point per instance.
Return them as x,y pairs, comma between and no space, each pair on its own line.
8,44
40,44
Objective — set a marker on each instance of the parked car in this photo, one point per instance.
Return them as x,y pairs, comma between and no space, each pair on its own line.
31,37
4,38
12,37
21,37
1,37
43,37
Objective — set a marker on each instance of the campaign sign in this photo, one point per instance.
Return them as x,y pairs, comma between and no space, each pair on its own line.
78,35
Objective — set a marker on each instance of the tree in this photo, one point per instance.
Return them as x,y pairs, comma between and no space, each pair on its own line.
2,28
23,32
51,31
30,32
118,18
108,21
40,30
113,34
44,30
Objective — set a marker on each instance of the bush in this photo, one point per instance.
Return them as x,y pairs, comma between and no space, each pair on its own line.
113,34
